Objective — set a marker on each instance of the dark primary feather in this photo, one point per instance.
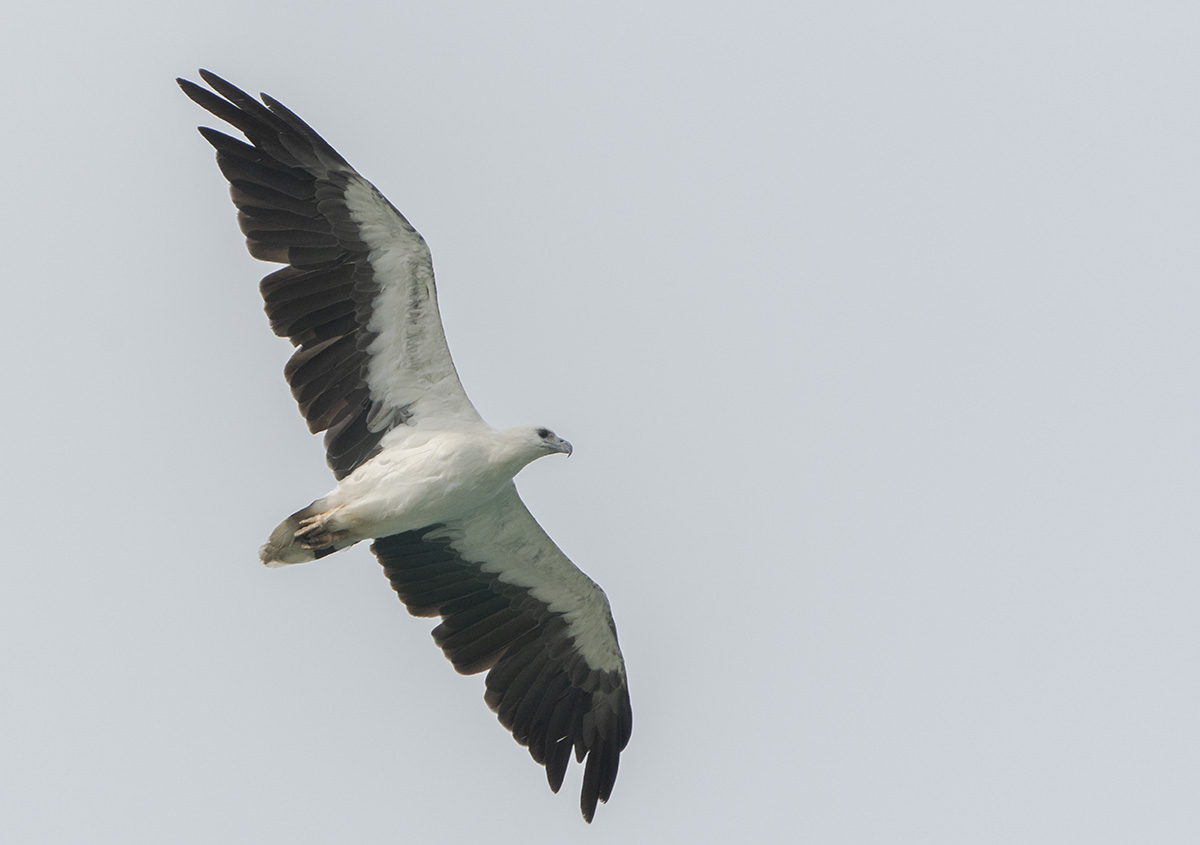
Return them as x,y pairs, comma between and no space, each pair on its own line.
540,687
287,184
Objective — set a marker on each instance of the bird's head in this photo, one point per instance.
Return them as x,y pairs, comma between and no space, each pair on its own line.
527,443
549,442
524,445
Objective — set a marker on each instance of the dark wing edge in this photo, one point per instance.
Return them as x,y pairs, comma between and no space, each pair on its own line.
301,204
543,682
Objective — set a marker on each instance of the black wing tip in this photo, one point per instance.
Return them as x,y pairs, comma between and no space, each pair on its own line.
194,92
599,777
214,136
216,82
224,90
587,806
187,84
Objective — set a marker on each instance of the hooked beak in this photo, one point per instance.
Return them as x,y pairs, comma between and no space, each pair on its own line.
565,446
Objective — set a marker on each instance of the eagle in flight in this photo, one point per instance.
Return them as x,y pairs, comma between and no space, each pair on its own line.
418,470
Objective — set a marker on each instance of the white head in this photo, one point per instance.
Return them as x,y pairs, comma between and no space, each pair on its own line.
549,442
531,442
526,444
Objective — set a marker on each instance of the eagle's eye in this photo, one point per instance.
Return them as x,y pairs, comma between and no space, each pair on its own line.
544,433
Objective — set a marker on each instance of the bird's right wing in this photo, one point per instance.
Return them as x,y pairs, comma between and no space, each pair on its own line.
357,296
511,602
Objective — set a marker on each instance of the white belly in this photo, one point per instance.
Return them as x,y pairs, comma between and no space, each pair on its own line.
414,484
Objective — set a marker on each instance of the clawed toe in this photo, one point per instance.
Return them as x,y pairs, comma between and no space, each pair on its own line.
323,540
312,533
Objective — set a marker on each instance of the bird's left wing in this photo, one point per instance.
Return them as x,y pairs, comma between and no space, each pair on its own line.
511,602
357,296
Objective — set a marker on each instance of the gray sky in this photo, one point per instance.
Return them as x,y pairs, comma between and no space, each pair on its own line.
874,326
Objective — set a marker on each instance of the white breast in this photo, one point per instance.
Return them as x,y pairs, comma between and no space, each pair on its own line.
421,481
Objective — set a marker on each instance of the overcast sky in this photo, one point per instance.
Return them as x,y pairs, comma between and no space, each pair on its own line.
875,328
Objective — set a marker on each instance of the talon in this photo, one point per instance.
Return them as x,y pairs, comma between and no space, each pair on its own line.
320,541
310,527
313,533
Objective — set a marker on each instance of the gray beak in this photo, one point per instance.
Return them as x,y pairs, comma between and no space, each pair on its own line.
564,446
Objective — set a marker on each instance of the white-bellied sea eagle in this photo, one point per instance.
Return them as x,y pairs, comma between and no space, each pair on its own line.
418,470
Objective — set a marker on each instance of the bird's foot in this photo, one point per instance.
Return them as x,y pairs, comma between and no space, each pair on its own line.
313,532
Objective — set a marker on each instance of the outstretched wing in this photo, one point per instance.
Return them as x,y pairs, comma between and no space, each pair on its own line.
511,602
357,296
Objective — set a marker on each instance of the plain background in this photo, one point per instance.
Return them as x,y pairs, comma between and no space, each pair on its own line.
874,326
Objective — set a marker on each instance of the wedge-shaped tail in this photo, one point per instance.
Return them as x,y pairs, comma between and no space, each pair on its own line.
283,547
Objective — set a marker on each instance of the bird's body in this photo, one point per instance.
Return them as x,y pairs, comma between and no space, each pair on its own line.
418,469
420,478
